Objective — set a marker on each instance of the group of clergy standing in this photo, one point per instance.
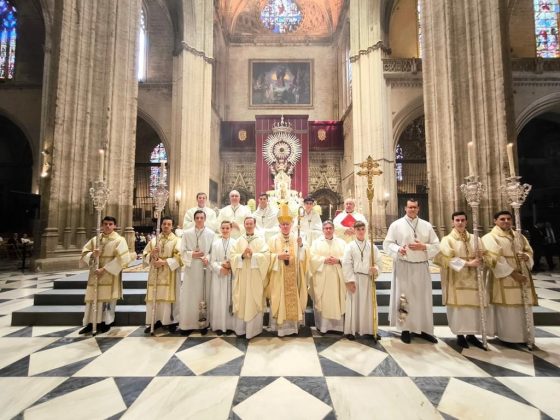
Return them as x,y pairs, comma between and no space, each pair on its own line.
237,263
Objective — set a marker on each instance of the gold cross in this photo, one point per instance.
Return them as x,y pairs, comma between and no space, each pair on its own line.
369,168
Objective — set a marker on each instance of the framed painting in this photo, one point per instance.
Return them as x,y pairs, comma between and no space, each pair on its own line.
281,83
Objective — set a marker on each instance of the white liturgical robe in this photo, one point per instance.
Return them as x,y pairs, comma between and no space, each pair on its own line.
237,215
211,221
411,274
221,290
359,305
267,222
196,277
329,291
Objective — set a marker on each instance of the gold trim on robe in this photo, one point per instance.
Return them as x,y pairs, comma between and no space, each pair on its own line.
459,288
505,290
165,275
114,257
288,298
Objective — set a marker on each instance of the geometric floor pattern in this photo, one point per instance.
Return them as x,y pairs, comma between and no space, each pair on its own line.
52,372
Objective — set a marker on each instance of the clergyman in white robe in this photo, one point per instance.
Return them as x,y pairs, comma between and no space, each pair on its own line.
221,319
329,290
196,277
356,265
411,274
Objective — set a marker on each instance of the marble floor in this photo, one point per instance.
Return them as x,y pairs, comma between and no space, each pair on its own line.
52,372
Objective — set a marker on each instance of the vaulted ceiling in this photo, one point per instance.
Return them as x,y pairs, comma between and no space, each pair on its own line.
241,22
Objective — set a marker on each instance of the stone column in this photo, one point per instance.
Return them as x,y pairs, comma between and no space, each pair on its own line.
191,104
371,130
467,97
89,102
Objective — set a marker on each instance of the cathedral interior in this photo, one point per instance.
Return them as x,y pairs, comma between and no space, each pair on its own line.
106,90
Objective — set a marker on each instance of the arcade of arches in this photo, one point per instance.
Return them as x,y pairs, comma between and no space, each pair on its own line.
215,77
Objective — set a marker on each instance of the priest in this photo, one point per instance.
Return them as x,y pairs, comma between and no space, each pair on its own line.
311,226
459,282
250,259
266,217
329,290
195,248
344,221
211,218
411,242
511,269
112,251
288,286
164,260
234,213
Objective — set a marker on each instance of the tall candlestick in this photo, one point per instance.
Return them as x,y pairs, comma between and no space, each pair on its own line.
471,155
510,159
330,211
101,163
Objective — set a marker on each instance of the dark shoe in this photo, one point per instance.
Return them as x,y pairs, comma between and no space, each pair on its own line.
462,341
428,337
241,336
186,333
87,329
103,328
405,337
350,337
157,325
219,333
172,328
204,331
229,332
475,341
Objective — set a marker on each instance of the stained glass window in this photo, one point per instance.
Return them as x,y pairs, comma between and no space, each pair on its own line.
281,16
158,154
546,28
8,35
398,162
142,38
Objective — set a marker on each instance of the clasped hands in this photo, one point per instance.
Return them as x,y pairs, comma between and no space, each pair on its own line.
200,255
331,260
225,268
248,253
415,246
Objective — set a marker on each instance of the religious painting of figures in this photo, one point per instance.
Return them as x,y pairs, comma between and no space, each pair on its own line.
276,83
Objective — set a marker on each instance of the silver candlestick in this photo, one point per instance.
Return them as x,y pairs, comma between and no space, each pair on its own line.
99,194
160,195
516,193
473,191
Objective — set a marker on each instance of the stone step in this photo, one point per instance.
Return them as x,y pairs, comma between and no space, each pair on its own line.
76,297
79,281
136,297
137,280
135,315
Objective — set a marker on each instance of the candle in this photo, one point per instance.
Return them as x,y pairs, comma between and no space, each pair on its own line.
471,155
330,211
510,159
101,163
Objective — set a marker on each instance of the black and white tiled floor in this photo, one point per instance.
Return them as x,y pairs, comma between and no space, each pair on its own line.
52,372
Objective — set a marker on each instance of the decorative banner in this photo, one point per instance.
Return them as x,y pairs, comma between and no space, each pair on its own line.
300,177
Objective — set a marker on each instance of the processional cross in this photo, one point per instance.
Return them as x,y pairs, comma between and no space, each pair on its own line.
370,169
